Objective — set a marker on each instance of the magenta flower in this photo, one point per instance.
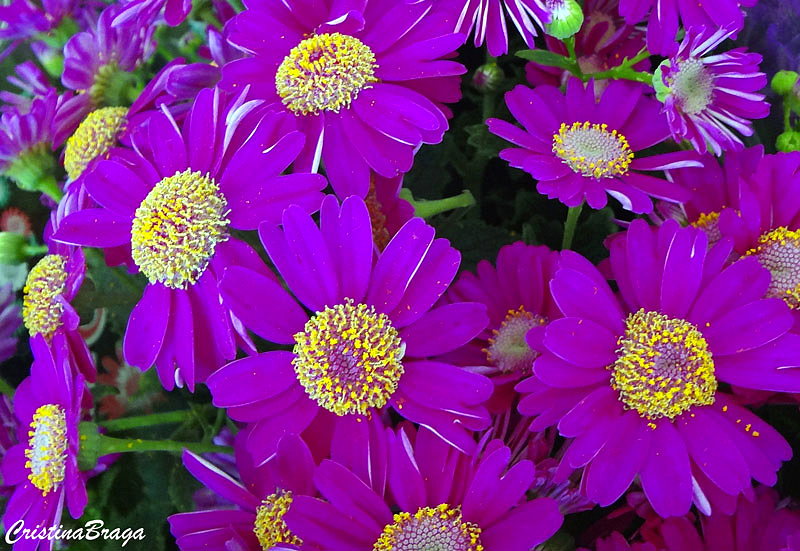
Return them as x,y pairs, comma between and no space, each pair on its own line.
173,200
517,298
175,11
634,380
375,92
706,97
663,18
488,19
44,465
442,498
362,326
580,149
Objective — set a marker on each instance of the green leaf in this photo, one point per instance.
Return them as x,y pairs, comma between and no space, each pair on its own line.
546,57
487,144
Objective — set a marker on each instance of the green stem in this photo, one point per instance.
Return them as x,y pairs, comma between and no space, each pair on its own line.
109,445
127,423
787,111
570,44
426,208
624,71
570,225
6,388
35,250
489,96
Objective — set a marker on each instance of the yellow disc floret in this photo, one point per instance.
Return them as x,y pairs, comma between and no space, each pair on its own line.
93,138
325,72
778,251
663,366
269,528
349,358
439,528
47,448
41,311
177,228
592,150
709,223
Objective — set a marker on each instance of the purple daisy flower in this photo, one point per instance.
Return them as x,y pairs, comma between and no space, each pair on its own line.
364,333
97,62
445,500
375,91
662,24
634,380
518,301
10,320
706,97
24,19
199,177
44,465
579,148
260,500
488,19
31,81
175,11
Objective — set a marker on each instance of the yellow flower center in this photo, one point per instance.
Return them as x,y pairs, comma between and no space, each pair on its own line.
508,350
41,312
592,151
349,358
269,528
325,72
709,223
177,227
439,528
778,251
93,138
663,366
47,448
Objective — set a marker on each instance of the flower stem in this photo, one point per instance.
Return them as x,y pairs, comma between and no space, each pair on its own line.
489,96
426,208
109,445
570,44
570,225
126,423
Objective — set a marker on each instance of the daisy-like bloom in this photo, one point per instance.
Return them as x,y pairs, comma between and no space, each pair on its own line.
10,320
31,81
362,327
24,19
97,62
662,24
26,140
367,86
517,298
175,11
706,97
579,148
173,200
764,524
260,500
444,500
603,42
488,19
388,212
634,381
44,465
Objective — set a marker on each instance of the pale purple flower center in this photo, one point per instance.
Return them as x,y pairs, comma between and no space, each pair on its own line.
439,528
778,251
508,350
692,85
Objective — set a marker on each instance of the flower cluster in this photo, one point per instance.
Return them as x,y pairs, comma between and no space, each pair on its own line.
209,222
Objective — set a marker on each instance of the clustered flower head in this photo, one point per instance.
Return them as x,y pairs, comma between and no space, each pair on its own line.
210,245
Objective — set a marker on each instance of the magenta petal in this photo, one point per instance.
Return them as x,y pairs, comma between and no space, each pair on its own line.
94,228
524,527
555,372
578,295
348,234
347,492
147,327
615,466
594,406
748,326
667,476
219,481
270,311
405,479
252,379
320,524
581,342
444,329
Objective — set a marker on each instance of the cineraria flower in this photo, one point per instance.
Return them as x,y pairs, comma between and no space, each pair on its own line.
762,524
31,81
707,96
488,19
634,381
388,212
518,301
603,42
261,500
367,86
175,11
23,19
44,465
25,144
443,499
580,149
663,20
173,200
363,330
97,62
